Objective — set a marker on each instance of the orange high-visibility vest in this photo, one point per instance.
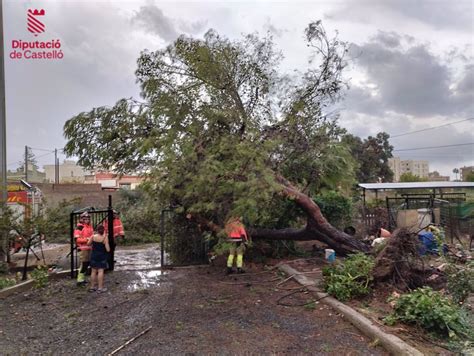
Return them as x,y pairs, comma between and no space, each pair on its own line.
78,229
235,230
82,236
118,227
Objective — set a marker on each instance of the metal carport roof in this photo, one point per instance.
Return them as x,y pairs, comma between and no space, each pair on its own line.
416,185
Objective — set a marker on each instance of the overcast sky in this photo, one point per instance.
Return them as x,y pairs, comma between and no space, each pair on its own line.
412,67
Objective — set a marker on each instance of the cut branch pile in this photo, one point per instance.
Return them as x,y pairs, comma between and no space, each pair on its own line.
400,264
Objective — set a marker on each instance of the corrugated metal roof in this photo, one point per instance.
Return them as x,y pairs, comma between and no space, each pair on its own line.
416,185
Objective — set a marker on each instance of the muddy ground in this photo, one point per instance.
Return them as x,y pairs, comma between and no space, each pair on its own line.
191,311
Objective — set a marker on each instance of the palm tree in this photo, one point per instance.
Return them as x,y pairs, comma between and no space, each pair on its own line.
456,171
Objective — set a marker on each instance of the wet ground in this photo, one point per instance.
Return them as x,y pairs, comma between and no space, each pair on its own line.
190,311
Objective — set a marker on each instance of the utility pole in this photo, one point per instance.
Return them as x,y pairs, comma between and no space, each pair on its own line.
3,139
56,175
26,163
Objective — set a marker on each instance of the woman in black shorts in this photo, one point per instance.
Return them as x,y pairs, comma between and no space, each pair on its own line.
98,263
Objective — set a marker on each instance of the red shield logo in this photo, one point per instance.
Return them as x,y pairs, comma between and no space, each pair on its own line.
35,26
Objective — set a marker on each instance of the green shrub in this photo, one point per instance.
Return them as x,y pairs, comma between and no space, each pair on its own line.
40,275
460,281
336,208
432,311
140,215
351,278
6,282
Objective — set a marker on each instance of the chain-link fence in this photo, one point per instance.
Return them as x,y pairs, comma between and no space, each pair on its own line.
182,243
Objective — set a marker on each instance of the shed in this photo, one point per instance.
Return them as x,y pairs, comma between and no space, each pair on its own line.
433,186
446,206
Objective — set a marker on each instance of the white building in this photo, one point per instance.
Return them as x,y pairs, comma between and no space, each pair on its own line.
399,167
69,172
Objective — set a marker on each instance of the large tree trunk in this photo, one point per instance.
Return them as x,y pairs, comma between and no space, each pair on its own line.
317,227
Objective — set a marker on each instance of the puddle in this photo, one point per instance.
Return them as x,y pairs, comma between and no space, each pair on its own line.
133,260
145,263
145,280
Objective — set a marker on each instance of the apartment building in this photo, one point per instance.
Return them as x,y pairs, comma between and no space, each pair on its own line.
465,171
69,172
399,167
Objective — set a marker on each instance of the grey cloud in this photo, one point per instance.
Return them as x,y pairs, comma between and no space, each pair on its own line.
441,159
97,69
439,14
414,89
270,27
153,20
193,27
445,136
389,39
466,84
456,15
410,79
359,98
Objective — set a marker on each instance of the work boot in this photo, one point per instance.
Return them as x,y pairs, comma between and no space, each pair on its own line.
81,279
229,271
240,270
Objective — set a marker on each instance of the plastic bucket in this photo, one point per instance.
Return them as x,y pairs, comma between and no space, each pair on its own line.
330,255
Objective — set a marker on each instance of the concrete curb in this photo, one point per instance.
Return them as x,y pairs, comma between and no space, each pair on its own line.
20,287
24,286
391,343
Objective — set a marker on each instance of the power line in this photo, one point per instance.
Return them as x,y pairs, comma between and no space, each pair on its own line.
427,148
46,154
431,128
16,162
40,149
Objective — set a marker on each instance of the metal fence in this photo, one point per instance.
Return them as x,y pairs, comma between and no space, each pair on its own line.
458,220
181,243
451,211
438,209
98,217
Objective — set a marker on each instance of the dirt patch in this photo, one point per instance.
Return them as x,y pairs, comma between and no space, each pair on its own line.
192,310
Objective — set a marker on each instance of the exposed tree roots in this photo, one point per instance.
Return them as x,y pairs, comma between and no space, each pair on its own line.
400,264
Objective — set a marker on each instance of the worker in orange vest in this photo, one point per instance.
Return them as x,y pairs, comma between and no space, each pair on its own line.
238,238
118,232
82,234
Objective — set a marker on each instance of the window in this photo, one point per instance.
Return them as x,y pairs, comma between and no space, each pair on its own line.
125,186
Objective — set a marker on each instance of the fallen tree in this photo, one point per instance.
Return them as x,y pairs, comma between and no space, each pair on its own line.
219,132
317,227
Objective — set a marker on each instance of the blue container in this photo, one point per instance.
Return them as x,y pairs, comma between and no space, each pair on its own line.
330,255
428,243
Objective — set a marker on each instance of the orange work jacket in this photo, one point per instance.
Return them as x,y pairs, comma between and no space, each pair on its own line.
83,235
118,227
236,232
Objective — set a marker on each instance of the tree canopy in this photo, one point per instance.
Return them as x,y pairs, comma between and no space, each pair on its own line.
220,131
372,155
469,177
410,177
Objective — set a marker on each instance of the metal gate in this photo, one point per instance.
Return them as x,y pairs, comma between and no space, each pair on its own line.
98,217
181,243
